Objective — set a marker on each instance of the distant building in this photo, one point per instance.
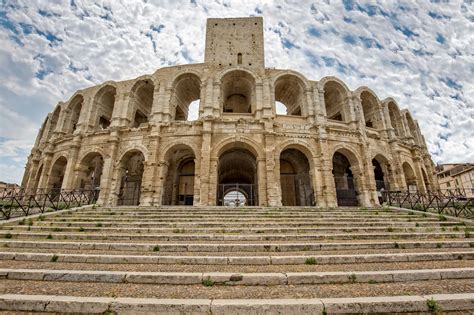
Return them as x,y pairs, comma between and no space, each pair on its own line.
4,185
456,176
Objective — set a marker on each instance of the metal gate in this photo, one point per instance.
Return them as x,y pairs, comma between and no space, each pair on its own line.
296,190
129,194
242,195
345,192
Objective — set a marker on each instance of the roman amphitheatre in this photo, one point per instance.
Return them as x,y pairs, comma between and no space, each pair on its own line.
226,187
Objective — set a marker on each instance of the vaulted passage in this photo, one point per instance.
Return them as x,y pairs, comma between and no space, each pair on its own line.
56,176
296,188
346,192
238,92
237,178
186,97
142,102
130,175
335,100
179,176
89,172
410,177
75,109
289,92
104,106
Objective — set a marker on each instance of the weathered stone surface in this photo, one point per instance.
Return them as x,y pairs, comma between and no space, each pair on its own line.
366,305
164,277
457,302
160,306
269,307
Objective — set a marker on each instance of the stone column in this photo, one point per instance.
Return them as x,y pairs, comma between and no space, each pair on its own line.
162,174
262,182
420,183
329,186
106,191
259,100
68,180
149,170
205,165
318,180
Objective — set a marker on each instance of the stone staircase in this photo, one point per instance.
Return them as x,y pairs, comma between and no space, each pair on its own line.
236,260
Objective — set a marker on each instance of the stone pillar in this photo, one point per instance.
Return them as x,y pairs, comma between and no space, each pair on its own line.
212,196
272,173
420,183
205,166
162,174
106,191
328,184
262,182
43,182
318,181
68,180
308,94
149,170
259,100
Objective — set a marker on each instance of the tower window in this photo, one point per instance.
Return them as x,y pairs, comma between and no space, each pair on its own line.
239,58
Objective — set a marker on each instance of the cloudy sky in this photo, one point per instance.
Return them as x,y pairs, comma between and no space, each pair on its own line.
419,52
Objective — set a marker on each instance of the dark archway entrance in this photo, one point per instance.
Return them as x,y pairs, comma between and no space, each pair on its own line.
90,172
131,173
237,172
346,192
295,179
179,176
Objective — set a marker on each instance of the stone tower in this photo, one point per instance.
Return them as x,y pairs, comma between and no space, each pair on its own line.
233,42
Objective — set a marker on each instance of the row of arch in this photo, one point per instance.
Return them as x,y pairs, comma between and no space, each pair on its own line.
238,174
238,94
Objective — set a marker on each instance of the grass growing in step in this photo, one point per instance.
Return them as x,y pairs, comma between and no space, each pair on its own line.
111,213
439,245
390,229
396,245
433,306
352,278
178,231
467,232
22,222
30,222
8,235
57,230
54,258
49,237
6,245
98,224
442,218
417,224
310,261
456,228
411,213
156,248
471,245
207,282
81,229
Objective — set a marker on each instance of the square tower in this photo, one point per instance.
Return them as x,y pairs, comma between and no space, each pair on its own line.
235,41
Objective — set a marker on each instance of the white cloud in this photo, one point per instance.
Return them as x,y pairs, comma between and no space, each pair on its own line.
75,44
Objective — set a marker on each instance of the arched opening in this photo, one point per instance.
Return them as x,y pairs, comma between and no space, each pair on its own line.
295,179
237,171
56,175
370,108
90,171
186,92
179,178
238,92
335,101
280,108
130,175
53,122
412,130
425,180
410,177
395,119
104,102
75,112
382,174
346,185
235,198
37,179
289,91
142,102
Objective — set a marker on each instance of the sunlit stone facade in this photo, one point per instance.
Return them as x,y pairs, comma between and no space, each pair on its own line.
133,138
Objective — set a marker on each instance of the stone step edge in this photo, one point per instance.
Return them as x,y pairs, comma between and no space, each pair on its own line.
245,279
236,247
237,260
379,304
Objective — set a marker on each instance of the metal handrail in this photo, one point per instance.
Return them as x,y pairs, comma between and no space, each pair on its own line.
22,202
453,202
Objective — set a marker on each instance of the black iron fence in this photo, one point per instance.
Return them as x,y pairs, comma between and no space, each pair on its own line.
455,202
22,202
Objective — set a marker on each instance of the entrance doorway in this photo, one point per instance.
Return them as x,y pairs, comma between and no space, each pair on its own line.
237,178
131,179
296,188
346,192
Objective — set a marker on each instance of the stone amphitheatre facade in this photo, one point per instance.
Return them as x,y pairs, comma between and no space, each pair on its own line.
133,138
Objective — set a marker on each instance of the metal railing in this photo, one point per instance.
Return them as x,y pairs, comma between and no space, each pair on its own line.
22,202
453,202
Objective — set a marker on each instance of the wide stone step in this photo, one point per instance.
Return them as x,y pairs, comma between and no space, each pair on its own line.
262,247
181,236
262,230
102,305
226,278
237,260
108,223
